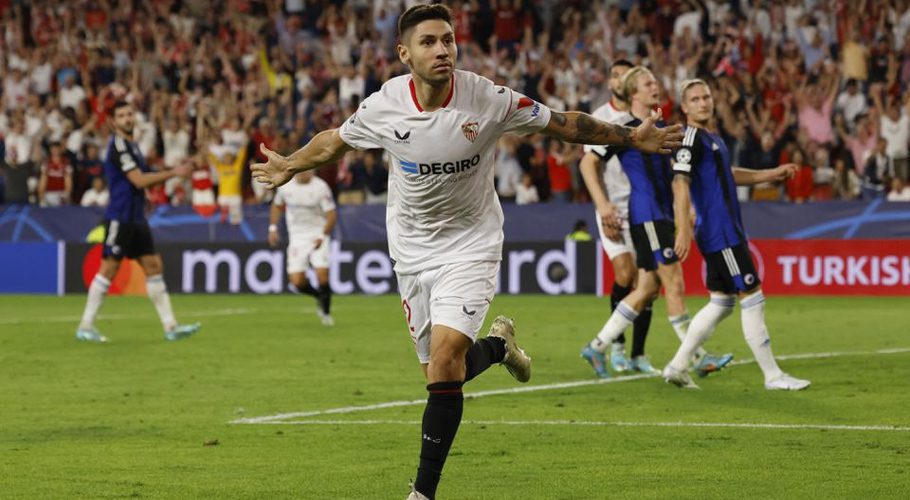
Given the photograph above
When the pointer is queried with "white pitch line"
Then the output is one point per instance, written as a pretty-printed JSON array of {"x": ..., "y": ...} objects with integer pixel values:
[
  {"x": 595, "y": 423},
  {"x": 268, "y": 419},
  {"x": 69, "y": 319}
]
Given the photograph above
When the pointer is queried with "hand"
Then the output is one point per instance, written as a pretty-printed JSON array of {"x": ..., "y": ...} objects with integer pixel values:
[
  {"x": 317, "y": 243},
  {"x": 183, "y": 170},
  {"x": 650, "y": 139},
  {"x": 274, "y": 238},
  {"x": 683, "y": 243},
  {"x": 784, "y": 172},
  {"x": 610, "y": 222},
  {"x": 274, "y": 172}
]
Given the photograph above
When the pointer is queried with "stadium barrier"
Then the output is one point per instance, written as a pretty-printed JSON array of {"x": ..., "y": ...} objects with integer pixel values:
[
  {"x": 785, "y": 267},
  {"x": 364, "y": 268}
]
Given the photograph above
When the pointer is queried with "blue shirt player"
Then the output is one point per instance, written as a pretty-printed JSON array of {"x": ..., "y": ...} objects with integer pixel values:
[
  {"x": 705, "y": 178},
  {"x": 651, "y": 224},
  {"x": 126, "y": 232}
]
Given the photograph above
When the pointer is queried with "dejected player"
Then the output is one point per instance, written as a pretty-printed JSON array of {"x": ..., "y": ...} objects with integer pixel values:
[
  {"x": 126, "y": 231},
  {"x": 440, "y": 127},
  {"x": 704, "y": 178}
]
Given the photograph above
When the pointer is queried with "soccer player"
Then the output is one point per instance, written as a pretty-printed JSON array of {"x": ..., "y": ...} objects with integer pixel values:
[
  {"x": 703, "y": 169},
  {"x": 609, "y": 188},
  {"x": 311, "y": 219},
  {"x": 652, "y": 234},
  {"x": 440, "y": 127},
  {"x": 126, "y": 232}
]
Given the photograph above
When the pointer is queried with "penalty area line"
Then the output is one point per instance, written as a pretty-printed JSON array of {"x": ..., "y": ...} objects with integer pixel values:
[
  {"x": 596, "y": 423},
  {"x": 283, "y": 417}
]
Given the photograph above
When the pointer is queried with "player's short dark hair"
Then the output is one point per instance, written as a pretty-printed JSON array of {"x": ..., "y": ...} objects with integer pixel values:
[
  {"x": 625, "y": 63},
  {"x": 119, "y": 103},
  {"x": 420, "y": 13}
]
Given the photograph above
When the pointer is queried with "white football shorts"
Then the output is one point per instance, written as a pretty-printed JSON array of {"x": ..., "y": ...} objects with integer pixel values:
[
  {"x": 456, "y": 295},
  {"x": 616, "y": 248},
  {"x": 302, "y": 255}
]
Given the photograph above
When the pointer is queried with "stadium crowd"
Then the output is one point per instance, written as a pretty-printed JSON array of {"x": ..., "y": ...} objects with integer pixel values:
[{"x": 821, "y": 83}]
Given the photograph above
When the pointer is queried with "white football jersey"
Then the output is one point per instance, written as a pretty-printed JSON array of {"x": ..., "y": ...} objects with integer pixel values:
[
  {"x": 307, "y": 204},
  {"x": 618, "y": 187},
  {"x": 442, "y": 205}
]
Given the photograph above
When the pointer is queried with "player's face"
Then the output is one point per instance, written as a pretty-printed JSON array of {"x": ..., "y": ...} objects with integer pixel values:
[
  {"x": 648, "y": 92},
  {"x": 698, "y": 104},
  {"x": 305, "y": 176},
  {"x": 124, "y": 121},
  {"x": 615, "y": 81},
  {"x": 430, "y": 51}
]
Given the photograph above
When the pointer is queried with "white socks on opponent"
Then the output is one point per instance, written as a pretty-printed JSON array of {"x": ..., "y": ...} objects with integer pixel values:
[
  {"x": 96, "y": 292},
  {"x": 701, "y": 328},
  {"x": 157, "y": 292},
  {"x": 621, "y": 319},
  {"x": 756, "y": 333}
]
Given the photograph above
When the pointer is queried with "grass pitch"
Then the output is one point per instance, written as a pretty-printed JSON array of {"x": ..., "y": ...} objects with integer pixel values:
[{"x": 143, "y": 418}]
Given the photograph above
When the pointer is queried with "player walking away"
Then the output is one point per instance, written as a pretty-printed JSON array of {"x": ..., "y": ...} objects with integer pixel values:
[
  {"x": 440, "y": 128},
  {"x": 652, "y": 233},
  {"x": 311, "y": 218},
  {"x": 609, "y": 188},
  {"x": 703, "y": 169},
  {"x": 126, "y": 232}
]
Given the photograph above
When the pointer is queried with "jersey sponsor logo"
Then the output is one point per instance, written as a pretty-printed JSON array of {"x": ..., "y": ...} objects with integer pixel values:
[
  {"x": 402, "y": 138},
  {"x": 470, "y": 130},
  {"x": 438, "y": 168}
]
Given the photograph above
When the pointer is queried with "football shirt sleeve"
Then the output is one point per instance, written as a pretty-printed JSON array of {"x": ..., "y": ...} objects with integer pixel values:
[
  {"x": 326, "y": 203},
  {"x": 360, "y": 130},
  {"x": 524, "y": 115},
  {"x": 687, "y": 155}
]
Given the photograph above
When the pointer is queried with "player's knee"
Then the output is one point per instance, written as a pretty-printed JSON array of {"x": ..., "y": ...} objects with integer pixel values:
[{"x": 624, "y": 276}]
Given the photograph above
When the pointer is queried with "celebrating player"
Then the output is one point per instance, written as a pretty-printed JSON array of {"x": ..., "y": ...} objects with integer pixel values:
[
  {"x": 126, "y": 232},
  {"x": 440, "y": 127},
  {"x": 609, "y": 188},
  {"x": 311, "y": 219},
  {"x": 652, "y": 232},
  {"x": 703, "y": 168}
]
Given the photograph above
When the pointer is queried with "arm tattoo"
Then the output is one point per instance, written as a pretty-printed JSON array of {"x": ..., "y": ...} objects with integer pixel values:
[{"x": 581, "y": 128}]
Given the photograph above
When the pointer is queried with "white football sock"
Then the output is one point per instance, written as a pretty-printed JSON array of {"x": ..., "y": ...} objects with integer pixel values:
[
  {"x": 756, "y": 334},
  {"x": 701, "y": 328},
  {"x": 96, "y": 292},
  {"x": 680, "y": 325},
  {"x": 157, "y": 292},
  {"x": 621, "y": 319}
]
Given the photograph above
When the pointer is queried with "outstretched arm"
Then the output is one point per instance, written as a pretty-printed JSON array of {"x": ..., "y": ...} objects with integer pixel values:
[
  {"x": 326, "y": 147},
  {"x": 747, "y": 176},
  {"x": 582, "y": 128}
]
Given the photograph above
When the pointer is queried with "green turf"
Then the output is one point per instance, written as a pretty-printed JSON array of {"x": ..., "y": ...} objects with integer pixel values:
[{"x": 131, "y": 419}]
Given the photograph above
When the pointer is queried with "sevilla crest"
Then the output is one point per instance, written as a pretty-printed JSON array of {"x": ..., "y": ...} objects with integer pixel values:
[{"x": 470, "y": 130}]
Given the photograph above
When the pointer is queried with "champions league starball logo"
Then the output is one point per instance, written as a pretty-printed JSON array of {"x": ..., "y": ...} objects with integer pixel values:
[{"x": 683, "y": 156}]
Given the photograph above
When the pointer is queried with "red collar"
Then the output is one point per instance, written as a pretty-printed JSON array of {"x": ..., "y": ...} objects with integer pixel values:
[{"x": 444, "y": 104}]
